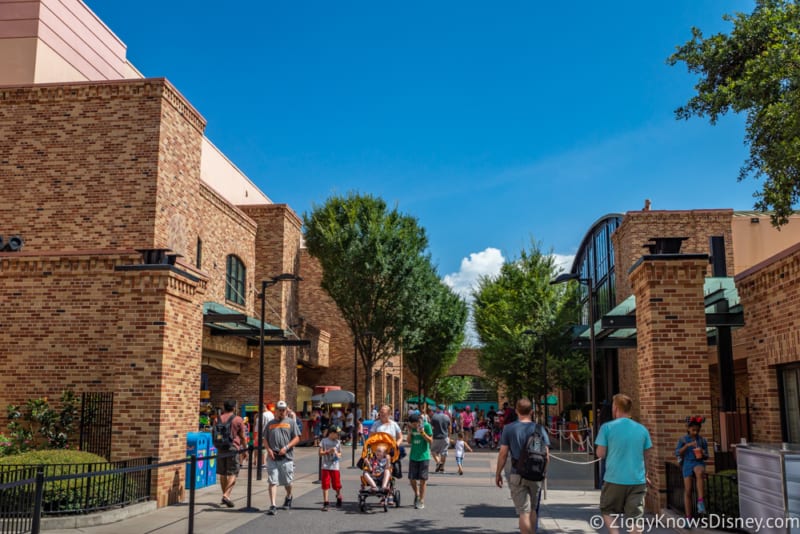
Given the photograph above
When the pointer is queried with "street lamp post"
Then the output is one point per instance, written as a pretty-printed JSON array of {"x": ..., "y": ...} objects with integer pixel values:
[
  {"x": 566, "y": 277},
  {"x": 355, "y": 399},
  {"x": 285, "y": 277}
]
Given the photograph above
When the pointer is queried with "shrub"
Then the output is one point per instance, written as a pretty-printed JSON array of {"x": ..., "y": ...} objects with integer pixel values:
[
  {"x": 73, "y": 495},
  {"x": 39, "y": 426},
  {"x": 6, "y": 444}
]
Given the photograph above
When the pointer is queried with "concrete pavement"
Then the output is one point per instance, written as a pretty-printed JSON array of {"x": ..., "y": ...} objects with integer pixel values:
[{"x": 468, "y": 503}]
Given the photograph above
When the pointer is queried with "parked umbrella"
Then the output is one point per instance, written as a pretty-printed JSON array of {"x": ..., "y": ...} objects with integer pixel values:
[{"x": 334, "y": 396}]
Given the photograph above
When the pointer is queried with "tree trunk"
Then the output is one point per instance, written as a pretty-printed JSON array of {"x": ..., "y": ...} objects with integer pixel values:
[{"x": 368, "y": 391}]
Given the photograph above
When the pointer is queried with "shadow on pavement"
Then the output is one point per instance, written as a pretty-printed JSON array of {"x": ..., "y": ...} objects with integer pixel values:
[
  {"x": 426, "y": 526},
  {"x": 485, "y": 510}
]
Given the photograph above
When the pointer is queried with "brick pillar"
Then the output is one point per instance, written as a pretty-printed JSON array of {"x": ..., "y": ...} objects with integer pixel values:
[{"x": 672, "y": 351}]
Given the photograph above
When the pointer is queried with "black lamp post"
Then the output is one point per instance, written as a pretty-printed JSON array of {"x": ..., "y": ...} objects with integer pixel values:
[
  {"x": 285, "y": 277},
  {"x": 560, "y": 279}
]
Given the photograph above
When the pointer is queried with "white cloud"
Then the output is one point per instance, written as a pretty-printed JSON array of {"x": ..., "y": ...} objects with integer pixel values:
[
  {"x": 463, "y": 282},
  {"x": 484, "y": 263},
  {"x": 563, "y": 262}
]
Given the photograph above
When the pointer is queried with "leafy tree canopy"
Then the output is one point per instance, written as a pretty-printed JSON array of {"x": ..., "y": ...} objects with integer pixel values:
[
  {"x": 452, "y": 389},
  {"x": 756, "y": 70},
  {"x": 440, "y": 318},
  {"x": 521, "y": 319},
  {"x": 373, "y": 259}
]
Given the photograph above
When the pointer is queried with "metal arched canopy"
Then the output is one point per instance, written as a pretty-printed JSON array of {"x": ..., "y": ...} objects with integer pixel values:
[{"x": 589, "y": 236}]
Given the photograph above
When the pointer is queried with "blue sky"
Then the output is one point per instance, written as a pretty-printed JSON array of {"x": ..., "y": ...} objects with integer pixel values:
[{"x": 491, "y": 122}]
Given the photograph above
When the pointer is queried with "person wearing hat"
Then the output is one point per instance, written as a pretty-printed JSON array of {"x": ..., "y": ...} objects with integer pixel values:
[{"x": 281, "y": 436}]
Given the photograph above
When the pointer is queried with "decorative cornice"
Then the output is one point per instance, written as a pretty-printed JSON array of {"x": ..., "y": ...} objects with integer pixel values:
[
  {"x": 655, "y": 267},
  {"x": 288, "y": 213},
  {"x": 767, "y": 275},
  {"x": 62, "y": 263},
  {"x": 77, "y": 91},
  {"x": 219, "y": 202}
]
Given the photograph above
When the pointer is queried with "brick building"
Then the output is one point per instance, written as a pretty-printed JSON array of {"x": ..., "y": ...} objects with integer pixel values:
[
  {"x": 662, "y": 320},
  {"x": 144, "y": 248}
]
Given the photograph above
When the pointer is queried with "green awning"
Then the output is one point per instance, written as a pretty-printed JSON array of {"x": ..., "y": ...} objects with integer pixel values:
[
  {"x": 617, "y": 328},
  {"x": 224, "y": 321}
]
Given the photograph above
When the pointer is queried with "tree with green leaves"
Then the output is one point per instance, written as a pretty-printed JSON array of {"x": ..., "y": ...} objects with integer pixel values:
[
  {"x": 521, "y": 319},
  {"x": 451, "y": 389},
  {"x": 440, "y": 319},
  {"x": 755, "y": 70},
  {"x": 372, "y": 259}
]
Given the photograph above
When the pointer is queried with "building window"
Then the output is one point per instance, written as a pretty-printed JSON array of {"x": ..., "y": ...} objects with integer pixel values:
[
  {"x": 199, "y": 256},
  {"x": 235, "y": 280},
  {"x": 789, "y": 378}
]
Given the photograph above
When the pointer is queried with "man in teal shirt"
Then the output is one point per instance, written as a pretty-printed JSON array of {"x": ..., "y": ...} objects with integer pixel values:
[
  {"x": 420, "y": 435},
  {"x": 624, "y": 444}
]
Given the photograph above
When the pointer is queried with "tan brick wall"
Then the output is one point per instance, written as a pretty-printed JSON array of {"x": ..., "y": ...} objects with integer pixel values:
[
  {"x": 226, "y": 230},
  {"x": 636, "y": 229},
  {"x": 466, "y": 364},
  {"x": 276, "y": 247},
  {"x": 89, "y": 326},
  {"x": 672, "y": 350},
  {"x": 79, "y": 145},
  {"x": 770, "y": 295}
]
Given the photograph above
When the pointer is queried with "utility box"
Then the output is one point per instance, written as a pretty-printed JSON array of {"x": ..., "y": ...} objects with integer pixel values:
[{"x": 769, "y": 484}]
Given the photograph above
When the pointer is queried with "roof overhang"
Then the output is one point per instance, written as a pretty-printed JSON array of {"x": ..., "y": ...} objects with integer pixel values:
[
  {"x": 224, "y": 321},
  {"x": 617, "y": 328}
]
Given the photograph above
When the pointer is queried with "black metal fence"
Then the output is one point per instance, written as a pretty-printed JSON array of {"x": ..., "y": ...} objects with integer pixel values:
[
  {"x": 29, "y": 492},
  {"x": 97, "y": 415},
  {"x": 16, "y": 500},
  {"x": 721, "y": 492}
]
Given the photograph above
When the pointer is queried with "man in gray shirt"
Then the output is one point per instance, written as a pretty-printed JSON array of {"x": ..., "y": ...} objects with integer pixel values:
[
  {"x": 441, "y": 438},
  {"x": 524, "y": 493},
  {"x": 281, "y": 437}
]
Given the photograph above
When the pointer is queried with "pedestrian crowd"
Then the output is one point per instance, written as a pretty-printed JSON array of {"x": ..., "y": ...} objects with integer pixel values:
[{"x": 622, "y": 444}]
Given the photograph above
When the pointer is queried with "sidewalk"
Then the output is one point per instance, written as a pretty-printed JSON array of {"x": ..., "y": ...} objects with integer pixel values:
[
  {"x": 457, "y": 504},
  {"x": 210, "y": 515}
]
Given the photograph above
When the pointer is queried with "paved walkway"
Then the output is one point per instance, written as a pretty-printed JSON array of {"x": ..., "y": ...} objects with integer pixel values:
[{"x": 469, "y": 503}]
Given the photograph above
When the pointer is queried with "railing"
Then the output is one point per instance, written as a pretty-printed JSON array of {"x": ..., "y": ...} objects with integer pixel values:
[
  {"x": 27, "y": 493},
  {"x": 102, "y": 486},
  {"x": 721, "y": 492}
]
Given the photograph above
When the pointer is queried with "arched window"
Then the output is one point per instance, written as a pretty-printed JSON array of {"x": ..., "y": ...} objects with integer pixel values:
[{"x": 235, "y": 278}]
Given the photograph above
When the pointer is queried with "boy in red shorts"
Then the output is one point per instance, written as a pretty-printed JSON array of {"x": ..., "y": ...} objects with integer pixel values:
[{"x": 330, "y": 449}]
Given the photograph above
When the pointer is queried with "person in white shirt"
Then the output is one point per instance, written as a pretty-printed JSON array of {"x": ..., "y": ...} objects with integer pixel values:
[
  {"x": 482, "y": 437},
  {"x": 386, "y": 424},
  {"x": 266, "y": 417}
]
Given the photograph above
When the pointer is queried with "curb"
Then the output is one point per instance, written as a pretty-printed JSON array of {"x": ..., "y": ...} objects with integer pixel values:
[{"x": 97, "y": 519}]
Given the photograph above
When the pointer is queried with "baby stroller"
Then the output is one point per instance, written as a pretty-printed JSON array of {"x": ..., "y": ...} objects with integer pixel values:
[{"x": 373, "y": 442}]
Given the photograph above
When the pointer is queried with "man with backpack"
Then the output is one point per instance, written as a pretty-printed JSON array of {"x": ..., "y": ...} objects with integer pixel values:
[
  {"x": 228, "y": 437},
  {"x": 529, "y": 447}
]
